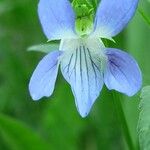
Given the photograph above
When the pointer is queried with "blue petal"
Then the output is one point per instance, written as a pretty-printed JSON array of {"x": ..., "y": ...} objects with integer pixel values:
[
  {"x": 82, "y": 69},
  {"x": 43, "y": 79},
  {"x": 113, "y": 15},
  {"x": 123, "y": 73},
  {"x": 57, "y": 18}
]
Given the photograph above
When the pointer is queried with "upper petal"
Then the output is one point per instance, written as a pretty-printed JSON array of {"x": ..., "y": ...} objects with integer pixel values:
[
  {"x": 57, "y": 19},
  {"x": 82, "y": 68},
  {"x": 43, "y": 79},
  {"x": 112, "y": 16},
  {"x": 122, "y": 72}
]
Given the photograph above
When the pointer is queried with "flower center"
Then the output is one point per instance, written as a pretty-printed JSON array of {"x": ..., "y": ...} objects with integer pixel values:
[{"x": 93, "y": 48}]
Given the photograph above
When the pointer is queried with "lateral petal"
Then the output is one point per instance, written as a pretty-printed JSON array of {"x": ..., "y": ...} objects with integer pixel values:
[
  {"x": 43, "y": 80},
  {"x": 122, "y": 72}
]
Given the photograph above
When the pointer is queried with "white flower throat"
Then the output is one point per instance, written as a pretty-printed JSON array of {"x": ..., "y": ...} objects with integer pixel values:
[{"x": 83, "y": 54}]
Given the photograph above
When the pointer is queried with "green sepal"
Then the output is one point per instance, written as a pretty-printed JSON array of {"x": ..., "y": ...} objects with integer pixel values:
[{"x": 45, "y": 48}]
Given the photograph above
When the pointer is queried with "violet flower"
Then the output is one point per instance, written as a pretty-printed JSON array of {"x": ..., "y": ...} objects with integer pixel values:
[{"x": 85, "y": 62}]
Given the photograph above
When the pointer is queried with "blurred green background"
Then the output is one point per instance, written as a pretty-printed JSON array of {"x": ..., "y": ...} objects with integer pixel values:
[{"x": 54, "y": 123}]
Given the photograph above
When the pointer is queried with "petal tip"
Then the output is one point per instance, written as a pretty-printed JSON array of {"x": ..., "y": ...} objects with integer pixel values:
[
  {"x": 84, "y": 112},
  {"x": 35, "y": 97},
  {"x": 84, "y": 115}
]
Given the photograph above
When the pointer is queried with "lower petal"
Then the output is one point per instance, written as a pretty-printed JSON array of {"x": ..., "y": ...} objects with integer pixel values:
[
  {"x": 43, "y": 79},
  {"x": 122, "y": 72},
  {"x": 82, "y": 68}
]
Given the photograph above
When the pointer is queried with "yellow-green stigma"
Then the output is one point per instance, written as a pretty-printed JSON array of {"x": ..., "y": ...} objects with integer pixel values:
[
  {"x": 84, "y": 19},
  {"x": 84, "y": 26}
]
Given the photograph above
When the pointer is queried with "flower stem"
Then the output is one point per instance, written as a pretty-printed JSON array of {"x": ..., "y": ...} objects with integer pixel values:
[{"x": 122, "y": 120}]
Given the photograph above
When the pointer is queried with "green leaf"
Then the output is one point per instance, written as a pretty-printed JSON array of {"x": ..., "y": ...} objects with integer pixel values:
[
  {"x": 7, "y": 6},
  {"x": 144, "y": 119},
  {"x": 45, "y": 48},
  {"x": 18, "y": 136},
  {"x": 145, "y": 16}
]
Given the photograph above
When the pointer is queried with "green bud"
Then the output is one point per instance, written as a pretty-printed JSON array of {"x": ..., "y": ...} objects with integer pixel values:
[
  {"x": 81, "y": 10},
  {"x": 84, "y": 19}
]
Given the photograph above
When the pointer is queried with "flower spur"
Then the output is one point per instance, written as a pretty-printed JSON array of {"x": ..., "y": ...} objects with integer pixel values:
[{"x": 85, "y": 62}]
